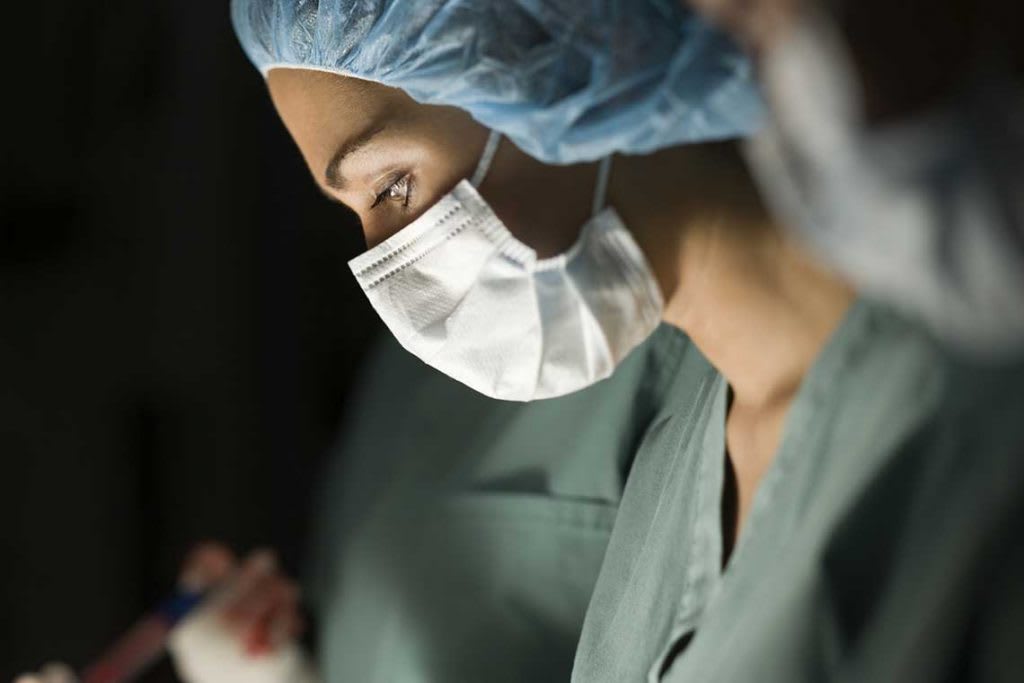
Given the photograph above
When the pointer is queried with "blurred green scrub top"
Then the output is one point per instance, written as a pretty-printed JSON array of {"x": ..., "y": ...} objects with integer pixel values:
[
  {"x": 868, "y": 544},
  {"x": 460, "y": 537}
]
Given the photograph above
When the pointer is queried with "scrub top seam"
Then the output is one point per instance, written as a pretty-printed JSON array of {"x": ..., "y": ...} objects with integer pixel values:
[{"x": 698, "y": 404}]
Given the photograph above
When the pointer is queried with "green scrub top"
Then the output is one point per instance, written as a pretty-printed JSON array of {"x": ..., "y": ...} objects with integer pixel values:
[
  {"x": 852, "y": 550},
  {"x": 459, "y": 537}
]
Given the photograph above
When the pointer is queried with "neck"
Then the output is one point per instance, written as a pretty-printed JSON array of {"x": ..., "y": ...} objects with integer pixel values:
[
  {"x": 758, "y": 308},
  {"x": 753, "y": 302}
]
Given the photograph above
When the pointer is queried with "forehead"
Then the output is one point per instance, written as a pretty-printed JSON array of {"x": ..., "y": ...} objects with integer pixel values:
[
  {"x": 322, "y": 110},
  {"x": 303, "y": 93}
]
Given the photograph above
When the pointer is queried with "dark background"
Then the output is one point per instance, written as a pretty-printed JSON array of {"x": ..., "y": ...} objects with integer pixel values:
[{"x": 178, "y": 323}]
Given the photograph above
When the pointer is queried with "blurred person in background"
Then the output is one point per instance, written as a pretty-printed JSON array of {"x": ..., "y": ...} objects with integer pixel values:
[{"x": 895, "y": 147}]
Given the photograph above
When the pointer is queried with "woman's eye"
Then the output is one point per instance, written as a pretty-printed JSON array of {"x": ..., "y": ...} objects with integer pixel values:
[{"x": 398, "y": 190}]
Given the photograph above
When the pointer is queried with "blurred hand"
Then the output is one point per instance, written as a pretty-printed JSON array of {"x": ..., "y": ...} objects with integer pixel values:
[
  {"x": 51, "y": 673},
  {"x": 246, "y": 630}
]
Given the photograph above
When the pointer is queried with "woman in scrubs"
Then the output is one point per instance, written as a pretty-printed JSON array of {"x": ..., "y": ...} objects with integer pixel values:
[
  {"x": 759, "y": 309},
  {"x": 765, "y": 431}
]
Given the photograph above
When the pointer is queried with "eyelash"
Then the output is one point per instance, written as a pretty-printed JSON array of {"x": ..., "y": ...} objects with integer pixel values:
[{"x": 398, "y": 181}]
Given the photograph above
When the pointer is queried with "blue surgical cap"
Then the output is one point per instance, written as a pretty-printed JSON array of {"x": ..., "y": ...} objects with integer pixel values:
[{"x": 566, "y": 80}]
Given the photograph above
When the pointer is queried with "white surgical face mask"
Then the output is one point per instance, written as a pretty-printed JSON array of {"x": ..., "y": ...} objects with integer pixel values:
[
  {"x": 461, "y": 293},
  {"x": 927, "y": 215}
]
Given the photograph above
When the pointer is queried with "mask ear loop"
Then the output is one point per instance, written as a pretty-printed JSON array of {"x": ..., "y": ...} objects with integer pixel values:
[
  {"x": 604, "y": 172},
  {"x": 486, "y": 158}
]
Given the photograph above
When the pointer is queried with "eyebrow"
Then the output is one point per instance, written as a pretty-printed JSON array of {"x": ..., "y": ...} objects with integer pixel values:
[{"x": 332, "y": 174}]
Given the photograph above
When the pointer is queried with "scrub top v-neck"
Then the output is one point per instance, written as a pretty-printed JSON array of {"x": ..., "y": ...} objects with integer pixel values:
[{"x": 663, "y": 610}]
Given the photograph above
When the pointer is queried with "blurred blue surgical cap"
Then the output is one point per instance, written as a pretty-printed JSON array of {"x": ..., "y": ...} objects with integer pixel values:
[{"x": 566, "y": 80}]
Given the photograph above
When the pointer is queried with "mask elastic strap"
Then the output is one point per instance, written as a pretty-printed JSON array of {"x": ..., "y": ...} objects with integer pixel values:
[
  {"x": 604, "y": 172},
  {"x": 486, "y": 158}
]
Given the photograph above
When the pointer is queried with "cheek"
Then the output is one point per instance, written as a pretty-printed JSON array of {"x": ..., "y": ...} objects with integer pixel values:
[
  {"x": 546, "y": 237},
  {"x": 456, "y": 143},
  {"x": 544, "y": 207},
  {"x": 376, "y": 231},
  {"x": 379, "y": 227}
]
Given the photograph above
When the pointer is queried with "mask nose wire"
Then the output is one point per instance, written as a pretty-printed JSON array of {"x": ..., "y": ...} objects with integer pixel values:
[{"x": 486, "y": 158}]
